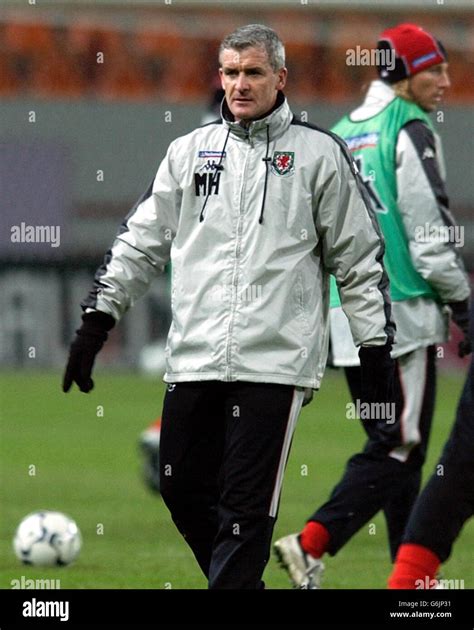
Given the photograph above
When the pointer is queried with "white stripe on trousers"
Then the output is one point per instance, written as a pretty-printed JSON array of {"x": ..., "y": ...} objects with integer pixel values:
[
  {"x": 295, "y": 409},
  {"x": 412, "y": 374}
]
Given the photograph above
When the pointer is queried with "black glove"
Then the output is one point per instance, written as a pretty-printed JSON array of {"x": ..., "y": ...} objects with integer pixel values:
[
  {"x": 460, "y": 316},
  {"x": 89, "y": 339},
  {"x": 377, "y": 374}
]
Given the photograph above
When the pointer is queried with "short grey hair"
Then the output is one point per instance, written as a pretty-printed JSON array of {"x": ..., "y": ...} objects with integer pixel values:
[{"x": 259, "y": 36}]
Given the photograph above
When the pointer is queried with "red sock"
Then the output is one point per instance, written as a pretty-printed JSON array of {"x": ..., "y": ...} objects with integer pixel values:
[
  {"x": 415, "y": 567},
  {"x": 156, "y": 424},
  {"x": 314, "y": 539}
]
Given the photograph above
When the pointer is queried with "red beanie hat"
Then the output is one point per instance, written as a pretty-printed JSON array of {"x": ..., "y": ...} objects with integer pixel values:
[{"x": 407, "y": 49}]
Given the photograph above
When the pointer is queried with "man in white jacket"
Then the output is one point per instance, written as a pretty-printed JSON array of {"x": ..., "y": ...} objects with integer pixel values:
[{"x": 254, "y": 211}]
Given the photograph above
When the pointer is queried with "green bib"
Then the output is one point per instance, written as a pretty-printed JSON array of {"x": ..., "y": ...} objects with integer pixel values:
[{"x": 372, "y": 143}]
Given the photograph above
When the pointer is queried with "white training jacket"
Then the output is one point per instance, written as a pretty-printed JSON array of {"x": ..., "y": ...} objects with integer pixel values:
[
  {"x": 422, "y": 201},
  {"x": 253, "y": 221}
]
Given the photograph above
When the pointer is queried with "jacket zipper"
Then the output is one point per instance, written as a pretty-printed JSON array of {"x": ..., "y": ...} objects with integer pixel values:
[{"x": 235, "y": 272}]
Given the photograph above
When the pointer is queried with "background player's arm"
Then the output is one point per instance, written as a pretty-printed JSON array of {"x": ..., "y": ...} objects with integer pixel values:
[{"x": 423, "y": 204}]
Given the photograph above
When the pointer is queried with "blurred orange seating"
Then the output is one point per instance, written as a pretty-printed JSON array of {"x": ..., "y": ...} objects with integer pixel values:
[
  {"x": 10, "y": 83},
  {"x": 158, "y": 42},
  {"x": 83, "y": 36},
  {"x": 461, "y": 67},
  {"x": 304, "y": 66},
  {"x": 80, "y": 36},
  {"x": 184, "y": 75},
  {"x": 159, "y": 59},
  {"x": 121, "y": 76},
  {"x": 56, "y": 77},
  {"x": 28, "y": 39}
]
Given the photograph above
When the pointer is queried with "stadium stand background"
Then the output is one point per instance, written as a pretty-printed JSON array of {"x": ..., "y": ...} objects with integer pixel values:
[{"x": 91, "y": 94}]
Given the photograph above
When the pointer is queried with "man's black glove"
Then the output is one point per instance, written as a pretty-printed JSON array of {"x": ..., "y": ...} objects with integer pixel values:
[
  {"x": 460, "y": 316},
  {"x": 377, "y": 374},
  {"x": 89, "y": 339}
]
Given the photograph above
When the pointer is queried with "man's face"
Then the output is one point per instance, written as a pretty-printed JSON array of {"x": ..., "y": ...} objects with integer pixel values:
[
  {"x": 249, "y": 81},
  {"x": 427, "y": 88}
]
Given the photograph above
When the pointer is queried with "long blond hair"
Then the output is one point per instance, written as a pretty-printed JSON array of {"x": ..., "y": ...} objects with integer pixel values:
[{"x": 402, "y": 89}]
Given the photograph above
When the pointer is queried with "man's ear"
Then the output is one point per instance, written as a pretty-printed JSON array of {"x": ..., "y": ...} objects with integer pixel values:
[
  {"x": 221, "y": 75},
  {"x": 282, "y": 76}
]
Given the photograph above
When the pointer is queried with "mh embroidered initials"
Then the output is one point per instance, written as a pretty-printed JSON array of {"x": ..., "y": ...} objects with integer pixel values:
[{"x": 207, "y": 183}]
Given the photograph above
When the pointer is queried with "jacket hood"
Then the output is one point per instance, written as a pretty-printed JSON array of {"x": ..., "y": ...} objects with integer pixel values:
[{"x": 378, "y": 96}]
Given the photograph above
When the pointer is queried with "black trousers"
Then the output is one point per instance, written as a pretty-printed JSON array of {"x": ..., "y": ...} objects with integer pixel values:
[
  {"x": 386, "y": 475},
  {"x": 223, "y": 451},
  {"x": 447, "y": 500}
]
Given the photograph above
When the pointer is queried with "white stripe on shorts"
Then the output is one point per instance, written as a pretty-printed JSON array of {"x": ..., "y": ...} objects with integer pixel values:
[
  {"x": 295, "y": 409},
  {"x": 412, "y": 372}
]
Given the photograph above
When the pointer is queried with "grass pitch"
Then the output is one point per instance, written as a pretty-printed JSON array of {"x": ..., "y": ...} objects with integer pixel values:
[{"x": 78, "y": 454}]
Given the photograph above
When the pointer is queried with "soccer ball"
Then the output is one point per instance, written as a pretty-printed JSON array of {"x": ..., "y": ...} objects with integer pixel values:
[{"x": 47, "y": 539}]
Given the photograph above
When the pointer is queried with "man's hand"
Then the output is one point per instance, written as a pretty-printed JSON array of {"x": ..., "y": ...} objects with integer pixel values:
[
  {"x": 377, "y": 374},
  {"x": 460, "y": 316},
  {"x": 89, "y": 339}
]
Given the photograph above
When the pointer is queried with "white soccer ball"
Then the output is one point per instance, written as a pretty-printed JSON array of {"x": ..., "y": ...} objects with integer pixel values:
[{"x": 46, "y": 539}]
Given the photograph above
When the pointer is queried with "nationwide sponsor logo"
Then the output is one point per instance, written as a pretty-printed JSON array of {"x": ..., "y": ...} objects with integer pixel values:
[
  {"x": 283, "y": 163},
  {"x": 209, "y": 155},
  {"x": 363, "y": 141}
]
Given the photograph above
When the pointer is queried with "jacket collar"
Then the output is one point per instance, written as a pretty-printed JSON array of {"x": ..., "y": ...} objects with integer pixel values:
[
  {"x": 278, "y": 120},
  {"x": 378, "y": 96}
]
